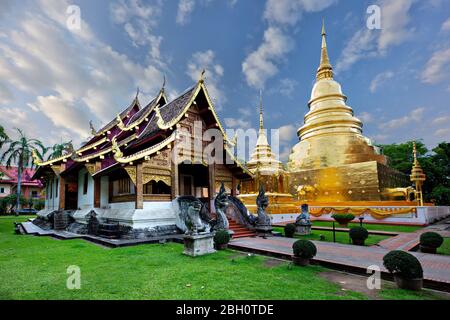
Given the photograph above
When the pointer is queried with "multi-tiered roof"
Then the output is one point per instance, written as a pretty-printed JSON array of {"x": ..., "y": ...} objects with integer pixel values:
[{"x": 137, "y": 133}]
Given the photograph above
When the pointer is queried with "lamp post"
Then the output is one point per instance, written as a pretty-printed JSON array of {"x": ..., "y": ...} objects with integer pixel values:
[
  {"x": 334, "y": 233},
  {"x": 361, "y": 221}
]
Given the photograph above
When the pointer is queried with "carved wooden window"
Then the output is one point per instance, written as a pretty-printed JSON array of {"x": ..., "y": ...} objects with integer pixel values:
[
  {"x": 124, "y": 186},
  {"x": 154, "y": 187},
  {"x": 85, "y": 183},
  {"x": 56, "y": 188}
]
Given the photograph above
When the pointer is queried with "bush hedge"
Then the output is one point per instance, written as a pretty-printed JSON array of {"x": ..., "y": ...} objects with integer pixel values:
[
  {"x": 358, "y": 233},
  {"x": 222, "y": 237},
  {"x": 403, "y": 264},
  {"x": 343, "y": 216},
  {"x": 289, "y": 230},
  {"x": 431, "y": 239},
  {"x": 304, "y": 249}
]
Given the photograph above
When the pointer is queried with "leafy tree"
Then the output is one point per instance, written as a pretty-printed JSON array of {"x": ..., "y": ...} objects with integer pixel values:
[
  {"x": 3, "y": 136},
  {"x": 436, "y": 166},
  {"x": 19, "y": 152},
  {"x": 59, "y": 149},
  {"x": 437, "y": 169},
  {"x": 401, "y": 154}
]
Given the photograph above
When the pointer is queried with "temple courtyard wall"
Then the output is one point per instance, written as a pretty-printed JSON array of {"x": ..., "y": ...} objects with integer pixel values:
[{"x": 417, "y": 216}]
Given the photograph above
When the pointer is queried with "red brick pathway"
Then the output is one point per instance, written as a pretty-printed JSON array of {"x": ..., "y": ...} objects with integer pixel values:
[{"x": 436, "y": 267}]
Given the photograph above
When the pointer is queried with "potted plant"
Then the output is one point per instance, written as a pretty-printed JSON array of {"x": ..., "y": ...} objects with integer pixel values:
[
  {"x": 343, "y": 218},
  {"x": 289, "y": 230},
  {"x": 221, "y": 239},
  {"x": 358, "y": 235},
  {"x": 407, "y": 270},
  {"x": 303, "y": 251},
  {"x": 430, "y": 241}
]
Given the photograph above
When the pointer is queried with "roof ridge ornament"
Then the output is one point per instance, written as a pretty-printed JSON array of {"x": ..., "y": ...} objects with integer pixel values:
[
  {"x": 202, "y": 76},
  {"x": 91, "y": 126}
]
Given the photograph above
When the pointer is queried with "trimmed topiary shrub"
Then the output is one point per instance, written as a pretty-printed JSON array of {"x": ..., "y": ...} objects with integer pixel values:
[
  {"x": 403, "y": 264},
  {"x": 343, "y": 218},
  {"x": 304, "y": 249},
  {"x": 358, "y": 235},
  {"x": 221, "y": 237},
  {"x": 431, "y": 239},
  {"x": 289, "y": 230}
]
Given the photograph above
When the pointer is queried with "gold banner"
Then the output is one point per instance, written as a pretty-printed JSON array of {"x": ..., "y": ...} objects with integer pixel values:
[{"x": 374, "y": 212}]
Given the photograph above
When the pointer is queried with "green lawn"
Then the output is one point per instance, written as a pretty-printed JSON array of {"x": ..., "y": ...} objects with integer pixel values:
[
  {"x": 341, "y": 237},
  {"x": 379, "y": 227},
  {"x": 36, "y": 268},
  {"x": 445, "y": 248}
]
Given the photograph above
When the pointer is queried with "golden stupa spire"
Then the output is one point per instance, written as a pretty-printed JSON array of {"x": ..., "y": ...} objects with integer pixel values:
[
  {"x": 261, "y": 122},
  {"x": 325, "y": 70}
]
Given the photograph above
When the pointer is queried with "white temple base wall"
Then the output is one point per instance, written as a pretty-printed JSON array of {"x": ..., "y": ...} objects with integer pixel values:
[
  {"x": 424, "y": 216},
  {"x": 152, "y": 215}
]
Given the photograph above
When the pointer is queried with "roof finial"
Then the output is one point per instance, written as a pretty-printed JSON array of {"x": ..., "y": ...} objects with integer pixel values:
[
  {"x": 261, "y": 123},
  {"x": 164, "y": 83},
  {"x": 137, "y": 92},
  {"x": 415, "y": 152},
  {"x": 325, "y": 70},
  {"x": 202, "y": 75}
]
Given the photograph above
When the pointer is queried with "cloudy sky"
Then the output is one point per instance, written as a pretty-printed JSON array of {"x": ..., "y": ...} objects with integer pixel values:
[{"x": 54, "y": 79}]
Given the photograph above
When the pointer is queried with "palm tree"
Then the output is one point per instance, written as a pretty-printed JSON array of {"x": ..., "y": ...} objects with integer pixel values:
[
  {"x": 19, "y": 152},
  {"x": 3, "y": 136},
  {"x": 58, "y": 149}
]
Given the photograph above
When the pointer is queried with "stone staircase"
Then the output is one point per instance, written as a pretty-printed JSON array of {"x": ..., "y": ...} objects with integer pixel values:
[{"x": 240, "y": 231}]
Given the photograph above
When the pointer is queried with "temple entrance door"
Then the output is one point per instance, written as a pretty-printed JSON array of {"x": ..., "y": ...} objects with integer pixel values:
[
  {"x": 71, "y": 196},
  {"x": 186, "y": 185},
  {"x": 193, "y": 181}
]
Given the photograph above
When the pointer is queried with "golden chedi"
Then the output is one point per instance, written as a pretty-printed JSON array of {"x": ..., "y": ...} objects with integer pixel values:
[
  {"x": 268, "y": 171},
  {"x": 333, "y": 160}
]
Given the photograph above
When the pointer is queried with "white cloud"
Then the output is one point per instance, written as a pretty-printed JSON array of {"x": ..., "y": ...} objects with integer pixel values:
[
  {"x": 235, "y": 123},
  {"x": 415, "y": 116},
  {"x": 6, "y": 95},
  {"x": 214, "y": 72},
  {"x": 287, "y": 134},
  {"x": 289, "y": 12},
  {"x": 443, "y": 133},
  {"x": 185, "y": 8},
  {"x": 446, "y": 25},
  {"x": 64, "y": 115},
  {"x": 96, "y": 79},
  {"x": 261, "y": 64},
  {"x": 380, "y": 79},
  {"x": 441, "y": 120},
  {"x": 285, "y": 87},
  {"x": 139, "y": 20},
  {"x": 437, "y": 68},
  {"x": 365, "y": 43},
  {"x": 365, "y": 117}
]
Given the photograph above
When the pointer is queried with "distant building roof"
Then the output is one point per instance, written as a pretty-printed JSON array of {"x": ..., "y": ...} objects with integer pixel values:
[{"x": 9, "y": 176}]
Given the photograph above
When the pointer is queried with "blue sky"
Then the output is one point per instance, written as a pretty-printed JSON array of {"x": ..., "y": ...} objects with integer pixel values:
[{"x": 54, "y": 80}]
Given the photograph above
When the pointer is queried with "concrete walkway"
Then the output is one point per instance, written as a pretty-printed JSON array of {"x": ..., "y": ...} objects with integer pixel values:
[{"x": 349, "y": 257}]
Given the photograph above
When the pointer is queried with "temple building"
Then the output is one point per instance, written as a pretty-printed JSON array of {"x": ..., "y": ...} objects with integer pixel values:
[
  {"x": 333, "y": 161},
  {"x": 131, "y": 169}
]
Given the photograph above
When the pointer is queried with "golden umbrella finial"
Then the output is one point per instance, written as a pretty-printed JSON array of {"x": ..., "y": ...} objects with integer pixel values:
[
  {"x": 261, "y": 123},
  {"x": 325, "y": 70}
]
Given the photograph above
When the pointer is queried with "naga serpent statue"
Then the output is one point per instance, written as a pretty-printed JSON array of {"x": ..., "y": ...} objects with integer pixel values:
[
  {"x": 262, "y": 202},
  {"x": 191, "y": 217},
  {"x": 221, "y": 203}
]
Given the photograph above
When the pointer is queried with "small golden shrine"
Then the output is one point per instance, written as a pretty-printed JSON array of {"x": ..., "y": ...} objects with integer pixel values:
[{"x": 268, "y": 171}]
